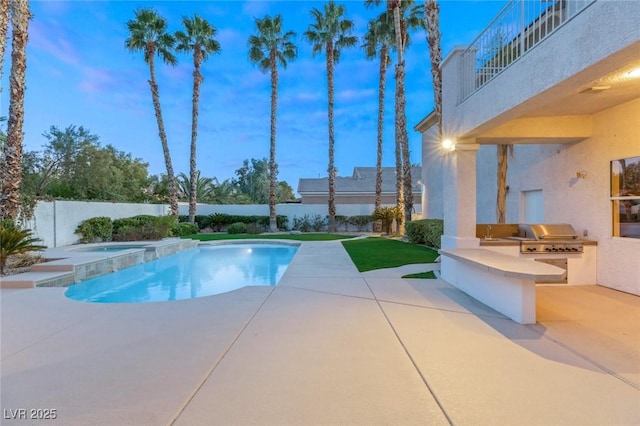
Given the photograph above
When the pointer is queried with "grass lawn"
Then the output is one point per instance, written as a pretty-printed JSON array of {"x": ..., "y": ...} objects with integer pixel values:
[
  {"x": 298, "y": 237},
  {"x": 430, "y": 275},
  {"x": 377, "y": 253}
]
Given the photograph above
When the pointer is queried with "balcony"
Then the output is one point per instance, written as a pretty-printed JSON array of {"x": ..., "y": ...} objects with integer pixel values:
[{"x": 519, "y": 27}]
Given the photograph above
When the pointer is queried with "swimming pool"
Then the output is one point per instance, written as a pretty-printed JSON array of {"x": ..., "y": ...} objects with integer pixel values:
[{"x": 203, "y": 271}]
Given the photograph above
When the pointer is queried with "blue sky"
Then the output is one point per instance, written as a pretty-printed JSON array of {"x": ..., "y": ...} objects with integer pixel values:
[{"x": 80, "y": 73}]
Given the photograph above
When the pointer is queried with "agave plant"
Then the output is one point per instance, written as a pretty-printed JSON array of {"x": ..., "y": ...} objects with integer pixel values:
[{"x": 16, "y": 241}]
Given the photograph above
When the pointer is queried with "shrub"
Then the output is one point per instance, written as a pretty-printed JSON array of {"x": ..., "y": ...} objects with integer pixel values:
[
  {"x": 342, "y": 220},
  {"x": 143, "y": 227},
  {"x": 360, "y": 221},
  {"x": 95, "y": 229},
  {"x": 425, "y": 231},
  {"x": 318, "y": 223},
  {"x": 302, "y": 224},
  {"x": 237, "y": 228},
  {"x": 387, "y": 215},
  {"x": 254, "y": 228},
  {"x": 184, "y": 228},
  {"x": 16, "y": 241}
]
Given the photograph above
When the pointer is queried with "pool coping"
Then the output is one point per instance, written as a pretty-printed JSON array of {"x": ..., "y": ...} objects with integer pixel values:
[{"x": 71, "y": 265}]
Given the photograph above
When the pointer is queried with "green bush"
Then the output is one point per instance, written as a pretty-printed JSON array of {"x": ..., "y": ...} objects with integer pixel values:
[
  {"x": 302, "y": 224},
  {"x": 255, "y": 228},
  {"x": 237, "y": 228},
  {"x": 425, "y": 231},
  {"x": 95, "y": 229},
  {"x": 143, "y": 227},
  {"x": 361, "y": 222},
  {"x": 342, "y": 220},
  {"x": 184, "y": 228},
  {"x": 387, "y": 215}
]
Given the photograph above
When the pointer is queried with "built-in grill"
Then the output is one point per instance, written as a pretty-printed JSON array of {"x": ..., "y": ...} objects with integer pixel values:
[{"x": 549, "y": 238}]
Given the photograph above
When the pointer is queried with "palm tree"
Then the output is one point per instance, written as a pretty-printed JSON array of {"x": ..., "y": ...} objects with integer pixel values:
[
  {"x": 330, "y": 32},
  {"x": 16, "y": 241},
  {"x": 147, "y": 33},
  {"x": 204, "y": 187},
  {"x": 504, "y": 152},
  {"x": 406, "y": 16},
  {"x": 379, "y": 37},
  {"x": 199, "y": 39},
  {"x": 268, "y": 49},
  {"x": 4, "y": 24},
  {"x": 432, "y": 16},
  {"x": 12, "y": 152}
]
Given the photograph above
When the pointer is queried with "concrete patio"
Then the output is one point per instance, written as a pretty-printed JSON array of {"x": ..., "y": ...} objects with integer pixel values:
[{"x": 327, "y": 346}]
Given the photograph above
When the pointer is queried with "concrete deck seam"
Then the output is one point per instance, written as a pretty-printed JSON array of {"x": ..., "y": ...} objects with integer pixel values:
[
  {"x": 445, "y": 310},
  {"x": 218, "y": 361},
  {"x": 406, "y": 351},
  {"x": 587, "y": 359},
  {"x": 329, "y": 292}
]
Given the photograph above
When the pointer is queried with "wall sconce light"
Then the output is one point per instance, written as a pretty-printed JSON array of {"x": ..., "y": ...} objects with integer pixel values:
[
  {"x": 581, "y": 174},
  {"x": 448, "y": 144}
]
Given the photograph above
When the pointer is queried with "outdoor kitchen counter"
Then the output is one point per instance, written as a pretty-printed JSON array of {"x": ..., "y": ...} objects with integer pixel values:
[{"x": 498, "y": 242}]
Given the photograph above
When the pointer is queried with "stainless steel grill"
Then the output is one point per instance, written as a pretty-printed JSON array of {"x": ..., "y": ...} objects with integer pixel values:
[{"x": 549, "y": 238}]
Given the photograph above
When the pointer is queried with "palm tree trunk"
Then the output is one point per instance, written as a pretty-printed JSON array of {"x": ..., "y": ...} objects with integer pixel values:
[
  {"x": 404, "y": 145},
  {"x": 331, "y": 169},
  {"x": 432, "y": 14},
  {"x": 394, "y": 5},
  {"x": 398, "y": 153},
  {"x": 384, "y": 62},
  {"x": 4, "y": 24},
  {"x": 273, "y": 170},
  {"x": 193, "y": 191},
  {"x": 173, "y": 190},
  {"x": 12, "y": 174},
  {"x": 501, "y": 199},
  {"x": 381, "y": 88}
]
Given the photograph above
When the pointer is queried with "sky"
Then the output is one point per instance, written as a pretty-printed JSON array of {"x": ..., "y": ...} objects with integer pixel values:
[{"x": 80, "y": 73}]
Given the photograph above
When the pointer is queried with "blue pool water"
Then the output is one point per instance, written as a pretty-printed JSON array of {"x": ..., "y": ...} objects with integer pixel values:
[{"x": 199, "y": 272}]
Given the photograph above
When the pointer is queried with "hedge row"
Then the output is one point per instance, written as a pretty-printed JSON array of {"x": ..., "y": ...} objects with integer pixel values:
[
  {"x": 425, "y": 231},
  {"x": 135, "y": 228},
  {"x": 218, "y": 221}
]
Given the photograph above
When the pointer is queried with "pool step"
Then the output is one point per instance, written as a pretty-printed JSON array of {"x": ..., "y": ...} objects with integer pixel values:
[{"x": 38, "y": 279}]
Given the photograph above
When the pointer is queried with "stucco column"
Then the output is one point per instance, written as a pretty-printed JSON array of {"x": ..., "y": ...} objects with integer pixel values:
[{"x": 459, "y": 191}]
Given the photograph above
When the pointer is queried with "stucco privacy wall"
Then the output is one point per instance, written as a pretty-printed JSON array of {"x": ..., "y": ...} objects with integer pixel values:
[{"x": 55, "y": 222}]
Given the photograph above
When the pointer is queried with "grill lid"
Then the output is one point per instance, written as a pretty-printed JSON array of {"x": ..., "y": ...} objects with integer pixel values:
[{"x": 549, "y": 231}]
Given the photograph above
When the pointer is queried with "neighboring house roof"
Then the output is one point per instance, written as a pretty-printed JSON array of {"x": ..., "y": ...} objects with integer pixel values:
[{"x": 363, "y": 180}]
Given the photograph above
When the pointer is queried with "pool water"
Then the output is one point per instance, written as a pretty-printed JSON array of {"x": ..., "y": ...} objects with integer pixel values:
[{"x": 198, "y": 272}]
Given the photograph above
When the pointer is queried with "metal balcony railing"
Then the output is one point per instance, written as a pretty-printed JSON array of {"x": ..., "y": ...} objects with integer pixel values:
[{"x": 519, "y": 27}]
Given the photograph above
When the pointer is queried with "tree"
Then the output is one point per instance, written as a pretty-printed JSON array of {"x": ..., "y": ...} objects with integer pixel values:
[
  {"x": 379, "y": 37},
  {"x": 330, "y": 33},
  {"x": 147, "y": 33},
  {"x": 73, "y": 165},
  {"x": 199, "y": 39},
  {"x": 12, "y": 152},
  {"x": 4, "y": 25},
  {"x": 204, "y": 187},
  {"x": 253, "y": 180},
  {"x": 432, "y": 17},
  {"x": 267, "y": 49},
  {"x": 504, "y": 152},
  {"x": 406, "y": 16}
]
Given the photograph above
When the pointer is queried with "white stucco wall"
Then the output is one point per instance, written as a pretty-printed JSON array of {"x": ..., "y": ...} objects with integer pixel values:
[
  {"x": 55, "y": 222},
  {"x": 584, "y": 203}
]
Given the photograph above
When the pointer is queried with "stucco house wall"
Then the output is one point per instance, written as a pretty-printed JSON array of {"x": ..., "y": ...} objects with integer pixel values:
[{"x": 540, "y": 103}]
